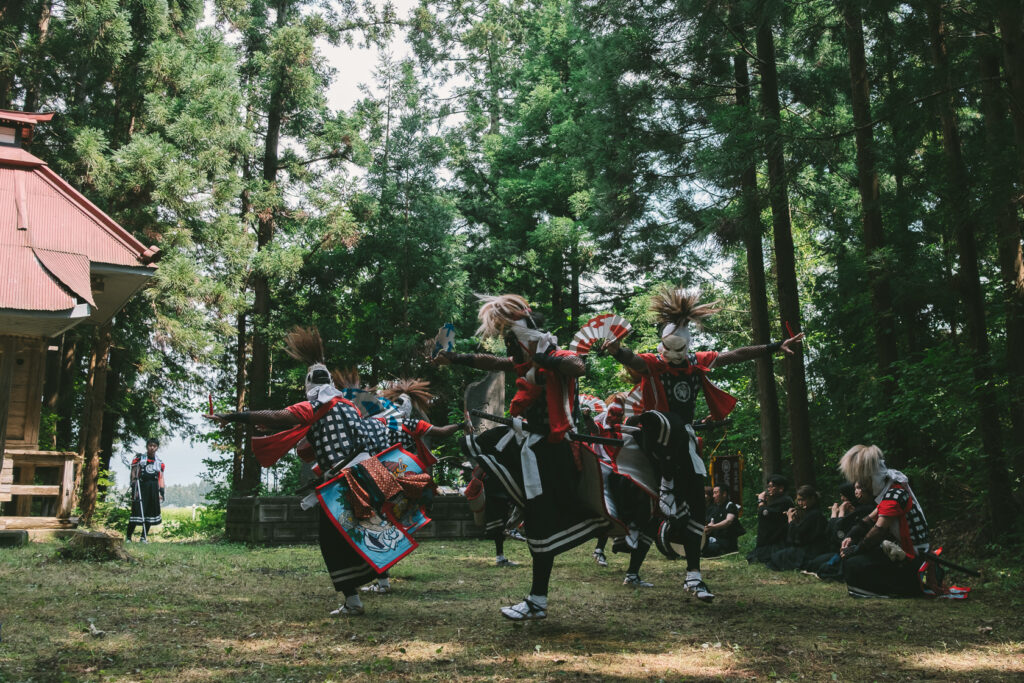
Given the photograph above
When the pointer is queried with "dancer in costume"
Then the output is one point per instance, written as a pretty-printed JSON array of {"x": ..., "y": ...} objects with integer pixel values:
[
  {"x": 493, "y": 509},
  {"x": 533, "y": 459},
  {"x": 370, "y": 503},
  {"x": 400, "y": 398},
  {"x": 608, "y": 423},
  {"x": 630, "y": 490},
  {"x": 147, "y": 488},
  {"x": 670, "y": 381},
  {"x": 879, "y": 554}
]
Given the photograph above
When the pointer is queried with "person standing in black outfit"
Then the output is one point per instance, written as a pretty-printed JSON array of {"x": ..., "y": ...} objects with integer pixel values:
[{"x": 147, "y": 490}]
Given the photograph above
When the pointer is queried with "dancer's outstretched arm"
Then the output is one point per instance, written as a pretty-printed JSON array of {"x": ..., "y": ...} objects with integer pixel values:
[
  {"x": 750, "y": 352},
  {"x": 480, "y": 361},
  {"x": 625, "y": 356},
  {"x": 445, "y": 431},
  {"x": 266, "y": 418},
  {"x": 567, "y": 366}
]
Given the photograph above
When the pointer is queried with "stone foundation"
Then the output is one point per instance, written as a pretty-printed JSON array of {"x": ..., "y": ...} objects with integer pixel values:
[{"x": 278, "y": 520}]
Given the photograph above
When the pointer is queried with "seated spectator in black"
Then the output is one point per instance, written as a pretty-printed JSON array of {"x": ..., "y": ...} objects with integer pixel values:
[
  {"x": 850, "y": 509},
  {"x": 880, "y": 552},
  {"x": 806, "y": 532},
  {"x": 772, "y": 521},
  {"x": 723, "y": 527}
]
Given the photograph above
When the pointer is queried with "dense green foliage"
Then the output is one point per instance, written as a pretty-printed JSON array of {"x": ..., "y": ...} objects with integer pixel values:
[{"x": 577, "y": 153}]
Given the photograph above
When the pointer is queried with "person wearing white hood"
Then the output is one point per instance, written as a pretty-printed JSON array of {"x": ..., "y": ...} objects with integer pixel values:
[
  {"x": 532, "y": 459},
  {"x": 341, "y": 440},
  {"x": 670, "y": 381}
]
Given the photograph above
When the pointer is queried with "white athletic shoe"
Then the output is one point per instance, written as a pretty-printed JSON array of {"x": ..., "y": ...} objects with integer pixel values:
[
  {"x": 524, "y": 611},
  {"x": 348, "y": 611},
  {"x": 698, "y": 589}
]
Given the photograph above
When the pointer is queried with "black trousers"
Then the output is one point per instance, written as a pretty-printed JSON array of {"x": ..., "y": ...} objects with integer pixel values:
[{"x": 347, "y": 568}]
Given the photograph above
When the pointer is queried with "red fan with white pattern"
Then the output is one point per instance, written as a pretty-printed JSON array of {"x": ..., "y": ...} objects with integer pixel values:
[
  {"x": 605, "y": 327},
  {"x": 634, "y": 403},
  {"x": 595, "y": 404}
]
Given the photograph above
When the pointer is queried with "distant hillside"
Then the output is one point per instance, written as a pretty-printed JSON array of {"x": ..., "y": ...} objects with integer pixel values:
[{"x": 184, "y": 495}]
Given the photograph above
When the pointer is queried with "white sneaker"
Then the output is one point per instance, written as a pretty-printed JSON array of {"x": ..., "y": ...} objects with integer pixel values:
[
  {"x": 635, "y": 581},
  {"x": 698, "y": 589},
  {"x": 600, "y": 558},
  {"x": 524, "y": 611},
  {"x": 348, "y": 611}
]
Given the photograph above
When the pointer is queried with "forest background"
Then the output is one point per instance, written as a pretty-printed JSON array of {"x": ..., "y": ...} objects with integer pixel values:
[{"x": 851, "y": 169}]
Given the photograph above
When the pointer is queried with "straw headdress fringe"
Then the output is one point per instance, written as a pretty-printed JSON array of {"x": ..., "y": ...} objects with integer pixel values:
[
  {"x": 345, "y": 379},
  {"x": 305, "y": 344},
  {"x": 417, "y": 390},
  {"x": 498, "y": 312},
  {"x": 678, "y": 306}
]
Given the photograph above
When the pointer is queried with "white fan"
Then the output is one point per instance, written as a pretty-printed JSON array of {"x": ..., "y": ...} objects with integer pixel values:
[
  {"x": 634, "y": 402},
  {"x": 605, "y": 327},
  {"x": 595, "y": 404}
]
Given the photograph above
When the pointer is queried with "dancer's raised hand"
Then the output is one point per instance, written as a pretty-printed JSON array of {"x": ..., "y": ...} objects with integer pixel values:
[{"x": 787, "y": 346}]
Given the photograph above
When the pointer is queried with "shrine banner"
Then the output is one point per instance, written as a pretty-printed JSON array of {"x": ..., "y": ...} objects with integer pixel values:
[{"x": 728, "y": 470}]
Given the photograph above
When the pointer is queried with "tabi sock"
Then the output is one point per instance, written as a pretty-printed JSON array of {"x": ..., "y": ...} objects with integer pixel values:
[
  {"x": 539, "y": 600},
  {"x": 353, "y": 601},
  {"x": 384, "y": 582},
  {"x": 693, "y": 576},
  {"x": 499, "y": 558}
]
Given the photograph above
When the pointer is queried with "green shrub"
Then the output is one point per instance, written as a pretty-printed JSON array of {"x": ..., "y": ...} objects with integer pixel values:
[{"x": 208, "y": 524}]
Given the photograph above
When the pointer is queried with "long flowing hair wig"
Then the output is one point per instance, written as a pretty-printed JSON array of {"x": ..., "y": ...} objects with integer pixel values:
[
  {"x": 860, "y": 464},
  {"x": 498, "y": 312}
]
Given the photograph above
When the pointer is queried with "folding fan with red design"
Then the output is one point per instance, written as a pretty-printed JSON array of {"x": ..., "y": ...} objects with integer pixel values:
[
  {"x": 634, "y": 402},
  {"x": 595, "y": 404},
  {"x": 605, "y": 327}
]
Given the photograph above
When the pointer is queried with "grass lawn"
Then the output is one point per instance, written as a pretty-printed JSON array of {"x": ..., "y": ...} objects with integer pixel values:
[{"x": 212, "y": 612}]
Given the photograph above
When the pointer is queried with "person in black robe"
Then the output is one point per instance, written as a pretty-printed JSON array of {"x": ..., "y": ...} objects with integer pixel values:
[
  {"x": 806, "y": 532},
  {"x": 147, "y": 491},
  {"x": 772, "y": 522}
]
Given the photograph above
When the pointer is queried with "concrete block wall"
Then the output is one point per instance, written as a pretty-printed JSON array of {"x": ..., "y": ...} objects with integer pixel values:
[{"x": 279, "y": 520}]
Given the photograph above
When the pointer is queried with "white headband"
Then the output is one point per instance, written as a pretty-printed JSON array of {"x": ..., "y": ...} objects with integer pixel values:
[{"x": 525, "y": 335}]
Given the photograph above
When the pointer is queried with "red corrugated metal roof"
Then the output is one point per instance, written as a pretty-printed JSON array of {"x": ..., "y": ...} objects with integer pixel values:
[
  {"x": 24, "y": 117},
  {"x": 26, "y": 285},
  {"x": 71, "y": 269},
  {"x": 18, "y": 157},
  {"x": 50, "y": 234}
]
